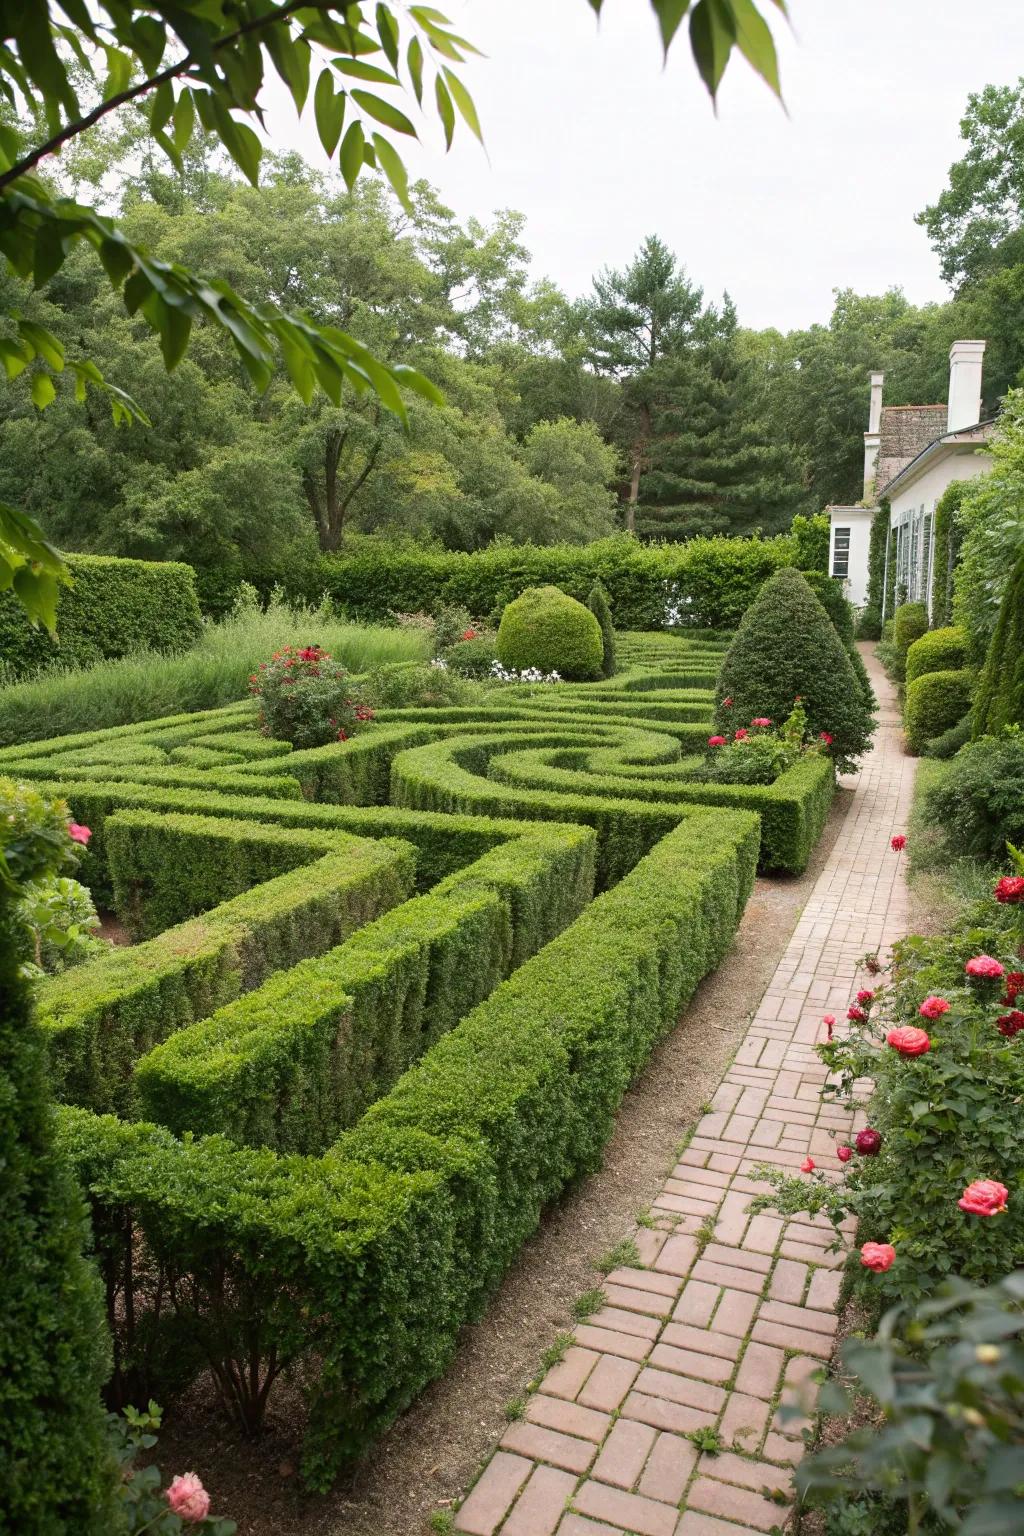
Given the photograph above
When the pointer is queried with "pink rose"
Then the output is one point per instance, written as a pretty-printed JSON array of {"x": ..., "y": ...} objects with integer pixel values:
[
  {"x": 188, "y": 1498},
  {"x": 78, "y": 833},
  {"x": 741, "y": 734},
  {"x": 898, "y": 843},
  {"x": 856, "y": 1015},
  {"x": 933, "y": 1008},
  {"x": 909, "y": 1040},
  {"x": 807, "y": 1166},
  {"x": 986, "y": 967},
  {"x": 864, "y": 997},
  {"x": 878, "y": 1256},
  {"x": 844, "y": 1154},
  {"x": 868, "y": 1142},
  {"x": 727, "y": 703},
  {"x": 716, "y": 741},
  {"x": 985, "y": 1197},
  {"x": 761, "y": 720}
]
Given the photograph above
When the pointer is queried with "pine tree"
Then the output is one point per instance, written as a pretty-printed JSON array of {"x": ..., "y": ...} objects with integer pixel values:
[{"x": 713, "y": 465}]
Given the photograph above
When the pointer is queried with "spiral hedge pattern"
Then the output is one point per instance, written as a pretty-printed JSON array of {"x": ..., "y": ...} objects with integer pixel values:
[{"x": 384, "y": 1000}]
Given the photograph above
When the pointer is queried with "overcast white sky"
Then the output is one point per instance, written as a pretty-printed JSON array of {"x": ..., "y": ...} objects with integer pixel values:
[{"x": 598, "y": 146}]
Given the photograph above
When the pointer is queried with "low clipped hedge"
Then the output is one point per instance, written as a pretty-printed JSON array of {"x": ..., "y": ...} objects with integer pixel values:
[
  {"x": 114, "y": 607},
  {"x": 936, "y": 701},
  {"x": 939, "y": 650},
  {"x": 718, "y": 576},
  {"x": 371, "y": 1258}
]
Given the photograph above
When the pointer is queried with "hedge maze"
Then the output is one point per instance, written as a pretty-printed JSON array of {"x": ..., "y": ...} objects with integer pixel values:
[{"x": 383, "y": 1002}]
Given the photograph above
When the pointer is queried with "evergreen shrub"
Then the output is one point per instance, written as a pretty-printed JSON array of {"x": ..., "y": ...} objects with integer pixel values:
[
  {"x": 1000, "y": 696},
  {"x": 869, "y": 623},
  {"x": 946, "y": 540},
  {"x": 910, "y": 622},
  {"x": 787, "y": 648},
  {"x": 978, "y": 802},
  {"x": 546, "y": 629},
  {"x": 939, "y": 650},
  {"x": 949, "y": 742},
  {"x": 114, "y": 608},
  {"x": 935, "y": 701},
  {"x": 597, "y": 602}
]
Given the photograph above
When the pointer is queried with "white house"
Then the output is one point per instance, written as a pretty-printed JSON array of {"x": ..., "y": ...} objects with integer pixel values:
[{"x": 911, "y": 454}]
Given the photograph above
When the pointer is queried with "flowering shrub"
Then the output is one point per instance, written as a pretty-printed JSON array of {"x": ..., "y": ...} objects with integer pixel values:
[
  {"x": 307, "y": 698},
  {"x": 61, "y": 918},
  {"x": 757, "y": 753},
  {"x": 184, "y": 1505},
  {"x": 942, "y": 1181},
  {"x": 502, "y": 674}
]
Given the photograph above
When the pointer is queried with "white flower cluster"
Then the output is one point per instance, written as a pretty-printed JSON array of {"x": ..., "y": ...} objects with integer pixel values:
[
  {"x": 440, "y": 663},
  {"x": 677, "y": 609},
  {"x": 527, "y": 675}
]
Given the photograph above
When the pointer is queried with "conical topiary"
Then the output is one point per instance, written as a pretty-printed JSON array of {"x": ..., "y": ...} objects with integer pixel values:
[
  {"x": 786, "y": 648},
  {"x": 599, "y": 606},
  {"x": 999, "y": 700}
]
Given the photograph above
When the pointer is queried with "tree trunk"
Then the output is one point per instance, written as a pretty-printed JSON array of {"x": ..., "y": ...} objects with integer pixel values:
[{"x": 639, "y": 458}]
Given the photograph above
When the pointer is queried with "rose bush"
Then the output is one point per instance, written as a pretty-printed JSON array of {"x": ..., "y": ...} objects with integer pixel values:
[{"x": 307, "y": 698}]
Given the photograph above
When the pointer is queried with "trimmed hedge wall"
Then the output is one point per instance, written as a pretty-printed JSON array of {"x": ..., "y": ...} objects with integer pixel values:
[
  {"x": 1000, "y": 698},
  {"x": 371, "y": 1258},
  {"x": 115, "y": 606},
  {"x": 940, "y": 650},
  {"x": 935, "y": 701},
  {"x": 718, "y": 576}
]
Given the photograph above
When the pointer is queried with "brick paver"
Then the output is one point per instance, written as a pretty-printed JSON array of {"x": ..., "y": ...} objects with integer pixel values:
[{"x": 729, "y": 1314}]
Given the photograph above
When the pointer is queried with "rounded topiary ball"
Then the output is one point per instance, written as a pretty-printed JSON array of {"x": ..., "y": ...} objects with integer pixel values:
[{"x": 546, "y": 628}]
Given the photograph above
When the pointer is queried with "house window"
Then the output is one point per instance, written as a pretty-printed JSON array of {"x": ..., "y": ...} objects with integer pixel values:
[
  {"x": 926, "y": 557},
  {"x": 841, "y": 553},
  {"x": 914, "y": 566}
]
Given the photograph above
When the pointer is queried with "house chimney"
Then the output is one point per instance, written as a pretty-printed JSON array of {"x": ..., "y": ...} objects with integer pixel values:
[
  {"x": 872, "y": 435},
  {"x": 965, "y": 361}
]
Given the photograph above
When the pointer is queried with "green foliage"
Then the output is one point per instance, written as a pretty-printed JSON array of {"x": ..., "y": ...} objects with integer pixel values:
[
  {"x": 758, "y": 754},
  {"x": 213, "y": 673},
  {"x": 946, "y": 539},
  {"x": 547, "y": 629},
  {"x": 306, "y": 698},
  {"x": 1000, "y": 697},
  {"x": 938, "y": 650},
  {"x": 61, "y": 919},
  {"x": 942, "y": 1449},
  {"x": 597, "y": 602},
  {"x": 474, "y": 658},
  {"x": 979, "y": 801},
  {"x": 949, "y": 742},
  {"x": 115, "y": 607},
  {"x": 869, "y": 625},
  {"x": 910, "y": 622},
  {"x": 419, "y": 684},
  {"x": 787, "y": 648},
  {"x": 142, "y": 1497},
  {"x": 58, "y": 1474},
  {"x": 936, "y": 701},
  {"x": 812, "y": 540},
  {"x": 992, "y": 517}
]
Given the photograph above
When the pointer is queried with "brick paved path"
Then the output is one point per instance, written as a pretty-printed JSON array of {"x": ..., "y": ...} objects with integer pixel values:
[{"x": 716, "y": 1333}]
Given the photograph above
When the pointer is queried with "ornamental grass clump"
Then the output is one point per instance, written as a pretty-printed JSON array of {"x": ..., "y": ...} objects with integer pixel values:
[
  {"x": 787, "y": 648},
  {"x": 307, "y": 698}
]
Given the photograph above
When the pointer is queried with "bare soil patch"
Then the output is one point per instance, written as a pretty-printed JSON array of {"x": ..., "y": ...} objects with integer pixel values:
[{"x": 433, "y": 1452}]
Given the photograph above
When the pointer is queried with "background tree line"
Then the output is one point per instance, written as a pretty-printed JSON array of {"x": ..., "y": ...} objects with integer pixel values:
[{"x": 640, "y": 404}]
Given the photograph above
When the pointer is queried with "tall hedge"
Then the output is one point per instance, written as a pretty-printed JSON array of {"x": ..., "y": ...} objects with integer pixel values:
[
  {"x": 946, "y": 541},
  {"x": 715, "y": 579},
  {"x": 812, "y": 535},
  {"x": 113, "y": 608},
  {"x": 56, "y": 1472},
  {"x": 597, "y": 602},
  {"x": 869, "y": 625},
  {"x": 1000, "y": 697},
  {"x": 785, "y": 647}
]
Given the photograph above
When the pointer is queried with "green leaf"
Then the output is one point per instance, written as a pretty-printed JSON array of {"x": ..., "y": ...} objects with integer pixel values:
[
  {"x": 43, "y": 343},
  {"x": 161, "y": 107},
  {"x": 329, "y": 110},
  {"x": 119, "y": 72},
  {"x": 670, "y": 14},
  {"x": 445, "y": 110},
  {"x": 359, "y": 70},
  {"x": 756, "y": 43},
  {"x": 291, "y": 57},
  {"x": 384, "y": 112},
  {"x": 117, "y": 260},
  {"x": 184, "y": 121},
  {"x": 414, "y": 59},
  {"x": 387, "y": 31},
  {"x": 15, "y": 358},
  {"x": 390, "y": 162},
  {"x": 350, "y": 157},
  {"x": 464, "y": 101},
  {"x": 711, "y": 39},
  {"x": 43, "y": 391}
]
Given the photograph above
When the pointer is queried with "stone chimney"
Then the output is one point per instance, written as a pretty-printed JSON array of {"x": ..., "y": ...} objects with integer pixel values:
[
  {"x": 872, "y": 435},
  {"x": 964, "y": 408}
]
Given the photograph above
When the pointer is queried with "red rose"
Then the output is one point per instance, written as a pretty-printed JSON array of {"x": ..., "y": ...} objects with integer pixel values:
[
  {"x": 468, "y": 634},
  {"x": 741, "y": 734},
  {"x": 1010, "y": 888},
  {"x": 807, "y": 1166},
  {"x": 844, "y": 1154},
  {"x": 716, "y": 741},
  {"x": 864, "y": 997},
  {"x": 727, "y": 703},
  {"x": 878, "y": 1256},
  {"x": 825, "y": 737},
  {"x": 985, "y": 1197},
  {"x": 908, "y": 1040},
  {"x": 984, "y": 968},
  {"x": 868, "y": 1142},
  {"x": 933, "y": 1007},
  {"x": 857, "y": 1015},
  {"x": 1014, "y": 984},
  {"x": 1010, "y": 1024},
  {"x": 898, "y": 843}
]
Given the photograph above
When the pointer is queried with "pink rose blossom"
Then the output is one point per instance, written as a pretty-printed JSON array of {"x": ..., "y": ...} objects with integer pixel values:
[
  {"x": 985, "y": 967},
  {"x": 716, "y": 741},
  {"x": 741, "y": 734},
  {"x": 864, "y": 997},
  {"x": 78, "y": 833},
  {"x": 878, "y": 1256},
  {"x": 898, "y": 843},
  {"x": 844, "y": 1154},
  {"x": 985, "y": 1197},
  {"x": 908, "y": 1040},
  {"x": 856, "y": 1015},
  {"x": 760, "y": 720},
  {"x": 825, "y": 737},
  {"x": 808, "y": 1165},
  {"x": 188, "y": 1499},
  {"x": 727, "y": 703},
  {"x": 933, "y": 1008}
]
